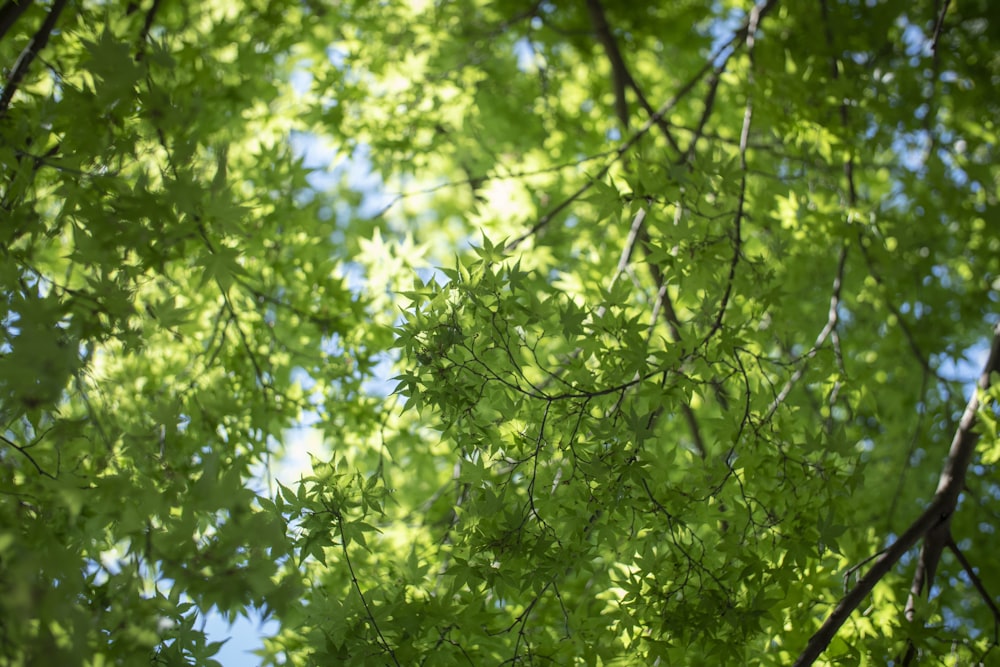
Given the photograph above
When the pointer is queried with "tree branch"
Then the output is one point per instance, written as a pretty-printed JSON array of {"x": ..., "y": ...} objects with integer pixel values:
[
  {"x": 28, "y": 55},
  {"x": 933, "y": 524},
  {"x": 660, "y": 114},
  {"x": 357, "y": 587},
  {"x": 621, "y": 77},
  {"x": 751, "y": 35},
  {"x": 23, "y": 451},
  {"x": 950, "y": 485},
  {"x": 829, "y": 328},
  {"x": 938, "y": 25},
  {"x": 976, "y": 581},
  {"x": 147, "y": 25},
  {"x": 10, "y": 12}
]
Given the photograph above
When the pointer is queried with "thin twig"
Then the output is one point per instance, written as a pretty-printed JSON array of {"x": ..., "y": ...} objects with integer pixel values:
[
  {"x": 938, "y": 25},
  {"x": 833, "y": 316},
  {"x": 24, "y": 452},
  {"x": 751, "y": 34},
  {"x": 976, "y": 581},
  {"x": 643, "y": 130},
  {"x": 357, "y": 588}
]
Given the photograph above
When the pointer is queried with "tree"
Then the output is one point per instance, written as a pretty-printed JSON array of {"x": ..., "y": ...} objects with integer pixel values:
[{"x": 682, "y": 299}]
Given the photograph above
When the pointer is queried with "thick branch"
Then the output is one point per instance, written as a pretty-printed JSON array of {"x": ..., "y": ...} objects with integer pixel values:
[
  {"x": 621, "y": 77},
  {"x": 147, "y": 25},
  {"x": 950, "y": 485},
  {"x": 932, "y": 523},
  {"x": 619, "y": 72},
  {"x": 933, "y": 515},
  {"x": 10, "y": 12},
  {"x": 28, "y": 55}
]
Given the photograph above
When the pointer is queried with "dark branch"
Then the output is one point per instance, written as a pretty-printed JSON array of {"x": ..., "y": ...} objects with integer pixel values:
[
  {"x": 660, "y": 114},
  {"x": 938, "y": 25},
  {"x": 357, "y": 588},
  {"x": 28, "y": 55},
  {"x": 147, "y": 25},
  {"x": 933, "y": 524},
  {"x": 950, "y": 485},
  {"x": 10, "y": 12},
  {"x": 751, "y": 34},
  {"x": 23, "y": 451},
  {"x": 976, "y": 581},
  {"x": 621, "y": 77},
  {"x": 829, "y": 328}
]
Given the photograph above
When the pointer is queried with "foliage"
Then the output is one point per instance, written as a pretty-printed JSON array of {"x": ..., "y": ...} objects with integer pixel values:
[{"x": 682, "y": 300}]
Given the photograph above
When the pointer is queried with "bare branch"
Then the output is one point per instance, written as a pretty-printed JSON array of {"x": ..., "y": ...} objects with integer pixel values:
[
  {"x": 357, "y": 587},
  {"x": 751, "y": 34},
  {"x": 28, "y": 55},
  {"x": 660, "y": 114},
  {"x": 938, "y": 25},
  {"x": 933, "y": 524},
  {"x": 147, "y": 24},
  {"x": 23, "y": 451},
  {"x": 950, "y": 485},
  {"x": 976, "y": 581},
  {"x": 9, "y": 13},
  {"x": 883, "y": 564},
  {"x": 620, "y": 76}
]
